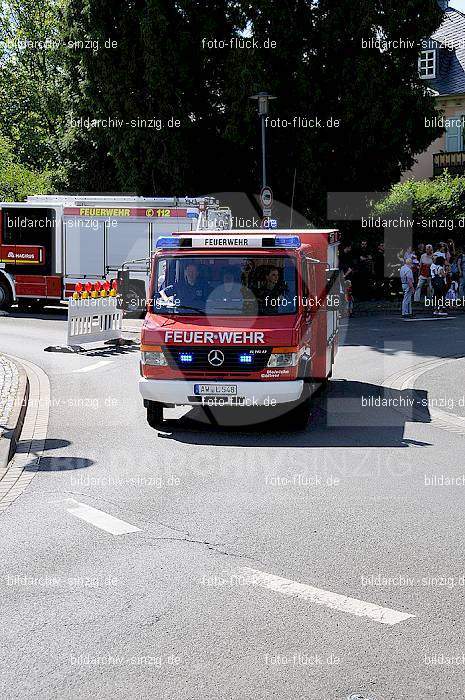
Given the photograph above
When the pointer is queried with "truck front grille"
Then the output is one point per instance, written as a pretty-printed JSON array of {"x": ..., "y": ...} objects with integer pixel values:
[{"x": 208, "y": 358}]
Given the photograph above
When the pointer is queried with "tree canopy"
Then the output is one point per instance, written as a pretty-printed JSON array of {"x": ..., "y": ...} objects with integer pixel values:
[{"x": 134, "y": 96}]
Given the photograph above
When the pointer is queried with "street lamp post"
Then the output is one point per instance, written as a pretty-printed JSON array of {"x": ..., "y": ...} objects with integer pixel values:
[{"x": 263, "y": 99}]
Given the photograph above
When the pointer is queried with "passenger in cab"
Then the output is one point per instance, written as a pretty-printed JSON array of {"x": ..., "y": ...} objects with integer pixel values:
[
  {"x": 230, "y": 296},
  {"x": 270, "y": 291}
]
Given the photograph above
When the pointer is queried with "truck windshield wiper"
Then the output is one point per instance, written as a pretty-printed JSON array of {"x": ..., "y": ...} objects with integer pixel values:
[
  {"x": 222, "y": 309},
  {"x": 190, "y": 308}
]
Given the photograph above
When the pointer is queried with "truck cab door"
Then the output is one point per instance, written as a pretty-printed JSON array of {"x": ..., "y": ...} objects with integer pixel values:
[{"x": 334, "y": 300}]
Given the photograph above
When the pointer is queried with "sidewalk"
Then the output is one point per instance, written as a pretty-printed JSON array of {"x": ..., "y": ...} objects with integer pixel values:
[
  {"x": 13, "y": 399},
  {"x": 393, "y": 308}
]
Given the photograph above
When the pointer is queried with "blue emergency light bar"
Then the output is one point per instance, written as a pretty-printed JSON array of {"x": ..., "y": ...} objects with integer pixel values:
[
  {"x": 186, "y": 357},
  {"x": 245, "y": 359},
  {"x": 168, "y": 242},
  {"x": 287, "y": 242},
  {"x": 224, "y": 241}
]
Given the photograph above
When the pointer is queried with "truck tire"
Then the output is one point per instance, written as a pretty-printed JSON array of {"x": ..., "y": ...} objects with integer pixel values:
[
  {"x": 298, "y": 417},
  {"x": 6, "y": 297},
  {"x": 154, "y": 414}
]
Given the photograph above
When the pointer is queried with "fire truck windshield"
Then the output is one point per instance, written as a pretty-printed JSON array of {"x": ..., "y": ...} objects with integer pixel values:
[{"x": 220, "y": 285}]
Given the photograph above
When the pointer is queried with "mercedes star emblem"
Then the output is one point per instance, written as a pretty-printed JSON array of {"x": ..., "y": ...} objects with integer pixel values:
[{"x": 215, "y": 358}]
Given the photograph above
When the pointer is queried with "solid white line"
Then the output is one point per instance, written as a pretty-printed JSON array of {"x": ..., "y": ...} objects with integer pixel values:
[
  {"x": 96, "y": 365},
  {"x": 100, "y": 519},
  {"x": 335, "y": 601}
]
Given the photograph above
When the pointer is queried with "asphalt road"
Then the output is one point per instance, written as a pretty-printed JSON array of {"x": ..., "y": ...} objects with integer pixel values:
[{"x": 169, "y": 607}]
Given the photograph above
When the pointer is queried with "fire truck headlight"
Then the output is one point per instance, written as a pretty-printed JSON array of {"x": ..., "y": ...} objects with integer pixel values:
[
  {"x": 283, "y": 359},
  {"x": 156, "y": 359}
]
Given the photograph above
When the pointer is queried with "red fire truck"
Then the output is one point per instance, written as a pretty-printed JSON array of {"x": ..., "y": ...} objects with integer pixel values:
[
  {"x": 51, "y": 242},
  {"x": 241, "y": 318}
]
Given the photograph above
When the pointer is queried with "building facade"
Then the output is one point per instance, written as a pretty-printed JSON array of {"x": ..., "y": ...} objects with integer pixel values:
[{"x": 442, "y": 66}]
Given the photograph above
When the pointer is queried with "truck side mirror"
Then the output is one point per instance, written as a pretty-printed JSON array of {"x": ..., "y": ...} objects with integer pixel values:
[
  {"x": 335, "y": 291},
  {"x": 123, "y": 286}
]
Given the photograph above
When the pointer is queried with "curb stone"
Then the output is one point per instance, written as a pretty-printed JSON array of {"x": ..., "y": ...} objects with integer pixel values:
[
  {"x": 10, "y": 432},
  {"x": 24, "y": 465}
]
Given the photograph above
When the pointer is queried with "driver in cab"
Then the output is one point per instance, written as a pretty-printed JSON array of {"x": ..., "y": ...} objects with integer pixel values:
[{"x": 189, "y": 291}]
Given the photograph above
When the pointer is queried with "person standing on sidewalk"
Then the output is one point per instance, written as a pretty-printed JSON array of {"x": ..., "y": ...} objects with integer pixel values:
[
  {"x": 438, "y": 280},
  {"x": 406, "y": 277},
  {"x": 424, "y": 278},
  {"x": 461, "y": 267}
]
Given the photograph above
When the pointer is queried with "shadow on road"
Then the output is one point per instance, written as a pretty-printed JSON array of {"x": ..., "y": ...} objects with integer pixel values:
[
  {"x": 111, "y": 351},
  {"x": 55, "y": 464},
  {"x": 392, "y": 335},
  {"x": 61, "y": 464},
  {"x": 52, "y": 313},
  {"x": 348, "y": 414}
]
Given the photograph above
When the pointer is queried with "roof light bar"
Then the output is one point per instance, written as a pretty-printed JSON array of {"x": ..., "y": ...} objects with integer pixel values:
[
  {"x": 287, "y": 242},
  {"x": 216, "y": 240},
  {"x": 174, "y": 242},
  {"x": 166, "y": 242}
]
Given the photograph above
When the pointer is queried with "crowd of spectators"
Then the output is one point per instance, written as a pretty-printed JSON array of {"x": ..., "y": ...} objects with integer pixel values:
[
  {"x": 363, "y": 265},
  {"x": 369, "y": 274}
]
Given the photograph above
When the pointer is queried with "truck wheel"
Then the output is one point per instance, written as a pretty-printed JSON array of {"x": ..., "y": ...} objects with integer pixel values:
[
  {"x": 154, "y": 414},
  {"x": 298, "y": 417},
  {"x": 6, "y": 298}
]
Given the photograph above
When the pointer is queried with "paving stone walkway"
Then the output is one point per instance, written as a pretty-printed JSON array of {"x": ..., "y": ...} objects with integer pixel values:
[{"x": 9, "y": 384}]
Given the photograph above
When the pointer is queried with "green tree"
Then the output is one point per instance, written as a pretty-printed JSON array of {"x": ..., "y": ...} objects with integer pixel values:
[
  {"x": 17, "y": 181},
  {"x": 321, "y": 68},
  {"x": 162, "y": 69},
  {"x": 158, "y": 70},
  {"x": 31, "y": 80},
  {"x": 377, "y": 94}
]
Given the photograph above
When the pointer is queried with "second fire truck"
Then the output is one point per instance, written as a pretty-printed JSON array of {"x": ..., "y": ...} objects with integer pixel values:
[{"x": 50, "y": 243}]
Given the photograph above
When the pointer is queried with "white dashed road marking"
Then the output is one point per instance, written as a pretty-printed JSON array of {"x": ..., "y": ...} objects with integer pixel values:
[
  {"x": 335, "y": 601},
  {"x": 96, "y": 365},
  {"x": 102, "y": 520}
]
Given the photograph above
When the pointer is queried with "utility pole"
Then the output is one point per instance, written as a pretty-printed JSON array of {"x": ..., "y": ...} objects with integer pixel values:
[{"x": 263, "y": 99}]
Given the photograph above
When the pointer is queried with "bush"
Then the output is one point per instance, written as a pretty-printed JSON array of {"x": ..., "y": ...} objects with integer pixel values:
[{"x": 441, "y": 198}]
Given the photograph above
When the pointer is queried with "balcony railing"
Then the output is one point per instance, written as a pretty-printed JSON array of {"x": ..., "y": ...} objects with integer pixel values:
[{"x": 454, "y": 162}]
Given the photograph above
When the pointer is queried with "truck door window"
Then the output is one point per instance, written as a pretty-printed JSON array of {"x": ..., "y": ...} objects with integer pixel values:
[
  {"x": 305, "y": 292},
  {"x": 31, "y": 227}
]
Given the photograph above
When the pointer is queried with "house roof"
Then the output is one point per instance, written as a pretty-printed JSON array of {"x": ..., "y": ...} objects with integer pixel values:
[{"x": 451, "y": 33}]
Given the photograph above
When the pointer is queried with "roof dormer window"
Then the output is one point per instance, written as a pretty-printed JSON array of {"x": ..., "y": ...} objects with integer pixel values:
[{"x": 427, "y": 64}]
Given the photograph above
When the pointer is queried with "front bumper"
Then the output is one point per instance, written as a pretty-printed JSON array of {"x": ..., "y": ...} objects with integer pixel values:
[{"x": 181, "y": 393}]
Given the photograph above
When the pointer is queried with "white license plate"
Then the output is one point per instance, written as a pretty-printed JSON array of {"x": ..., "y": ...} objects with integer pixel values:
[{"x": 215, "y": 389}]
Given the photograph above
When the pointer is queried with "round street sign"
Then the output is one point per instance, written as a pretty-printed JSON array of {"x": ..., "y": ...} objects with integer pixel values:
[{"x": 266, "y": 197}]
